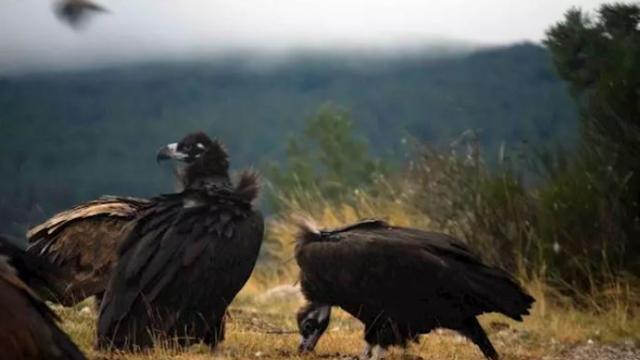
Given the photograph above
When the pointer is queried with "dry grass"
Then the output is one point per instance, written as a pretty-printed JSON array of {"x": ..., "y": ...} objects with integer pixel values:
[{"x": 258, "y": 324}]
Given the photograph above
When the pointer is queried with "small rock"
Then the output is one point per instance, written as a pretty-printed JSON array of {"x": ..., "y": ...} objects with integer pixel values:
[
  {"x": 282, "y": 293},
  {"x": 459, "y": 339}
]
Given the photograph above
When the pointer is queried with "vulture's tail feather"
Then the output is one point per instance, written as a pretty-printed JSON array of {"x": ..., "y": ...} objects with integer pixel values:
[{"x": 498, "y": 291}]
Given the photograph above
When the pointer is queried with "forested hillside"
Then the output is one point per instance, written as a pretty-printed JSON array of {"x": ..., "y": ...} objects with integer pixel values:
[{"x": 69, "y": 137}]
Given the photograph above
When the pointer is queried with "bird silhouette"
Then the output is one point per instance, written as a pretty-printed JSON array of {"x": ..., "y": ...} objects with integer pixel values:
[{"x": 77, "y": 12}]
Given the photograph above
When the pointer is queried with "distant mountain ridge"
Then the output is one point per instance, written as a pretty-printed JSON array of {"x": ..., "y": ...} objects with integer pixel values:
[
  {"x": 109, "y": 58},
  {"x": 71, "y": 136}
]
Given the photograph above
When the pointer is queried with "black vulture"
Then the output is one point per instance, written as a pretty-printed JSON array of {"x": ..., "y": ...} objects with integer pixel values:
[
  {"x": 28, "y": 328},
  {"x": 400, "y": 282},
  {"x": 83, "y": 243},
  {"x": 76, "y": 12},
  {"x": 187, "y": 255}
]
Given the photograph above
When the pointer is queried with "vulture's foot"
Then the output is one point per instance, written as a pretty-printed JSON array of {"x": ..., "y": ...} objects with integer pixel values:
[{"x": 372, "y": 352}]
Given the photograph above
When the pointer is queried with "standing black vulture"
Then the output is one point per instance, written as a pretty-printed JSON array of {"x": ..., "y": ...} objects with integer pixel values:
[
  {"x": 187, "y": 255},
  {"x": 28, "y": 328},
  {"x": 83, "y": 243},
  {"x": 400, "y": 283}
]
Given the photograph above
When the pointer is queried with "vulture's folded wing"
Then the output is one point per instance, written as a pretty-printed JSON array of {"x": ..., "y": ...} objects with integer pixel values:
[
  {"x": 214, "y": 244},
  {"x": 391, "y": 265}
]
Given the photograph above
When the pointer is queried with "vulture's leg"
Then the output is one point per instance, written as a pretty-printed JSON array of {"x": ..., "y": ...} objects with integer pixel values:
[
  {"x": 366, "y": 352},
  {"x": 378, "y": 353},
  {"x": 98, "y": 301},
  {"x": 215, "y": 335},
  {"x": 472, "y": 330}
]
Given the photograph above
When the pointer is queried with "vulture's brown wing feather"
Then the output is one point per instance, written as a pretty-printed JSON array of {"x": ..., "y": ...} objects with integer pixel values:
[
  {"x": 118, "y": 206},
  {"x": 83, "y": 242},
  {"x": 28, "y": 328}
]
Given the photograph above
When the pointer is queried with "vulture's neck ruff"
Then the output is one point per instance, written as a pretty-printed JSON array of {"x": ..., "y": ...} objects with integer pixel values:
[{"x": 308, "y": 230}]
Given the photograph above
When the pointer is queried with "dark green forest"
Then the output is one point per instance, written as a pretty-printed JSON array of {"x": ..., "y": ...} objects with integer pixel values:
[{"x": 72, "y": 136}]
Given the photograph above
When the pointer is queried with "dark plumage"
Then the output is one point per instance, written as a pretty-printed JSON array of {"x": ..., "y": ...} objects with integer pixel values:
[
  {"x": 82, "y": 243},
  {"x": 186, "y": 257},
  {"x": 400, "y": 283},
  {"x": 28, "y": 328},
  {"x": 76, "y": 12},
  {"x": 46, "y": 279}
]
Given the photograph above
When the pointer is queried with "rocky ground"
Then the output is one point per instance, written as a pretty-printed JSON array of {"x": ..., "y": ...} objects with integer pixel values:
[{"x": 595, "y": 351}]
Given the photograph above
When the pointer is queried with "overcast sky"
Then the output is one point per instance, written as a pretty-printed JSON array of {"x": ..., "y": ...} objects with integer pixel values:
[{"x": 31, "y": 37}]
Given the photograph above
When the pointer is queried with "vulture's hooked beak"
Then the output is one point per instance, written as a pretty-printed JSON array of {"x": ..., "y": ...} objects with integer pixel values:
[
  {"x": 170, "y": 152},
  {"x": 308, "y": 343}
]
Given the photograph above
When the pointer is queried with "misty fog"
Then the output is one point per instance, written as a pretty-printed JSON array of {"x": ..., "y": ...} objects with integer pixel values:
[{"x": 31, "y": 38}]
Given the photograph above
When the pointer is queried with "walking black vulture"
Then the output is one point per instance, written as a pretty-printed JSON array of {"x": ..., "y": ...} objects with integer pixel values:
[
  {"x": 28, "y": 328},
  {"x": 400, "y": 283},
  {"x": 187, "y": 255},
  {"x": 82, "y": 243}
]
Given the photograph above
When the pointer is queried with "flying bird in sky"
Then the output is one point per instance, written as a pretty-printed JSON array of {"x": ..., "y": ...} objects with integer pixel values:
[
  {"x": 186, "y": 256},
  {"x": 28, "y": 328},
  {"x": 400, "y": 282},
  {"x": 77, "y": 12},
  {"x": 83, "y": 243}
]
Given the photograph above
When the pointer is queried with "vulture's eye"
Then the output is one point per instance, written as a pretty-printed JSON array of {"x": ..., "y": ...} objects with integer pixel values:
[{"x": 186, "y": 148}]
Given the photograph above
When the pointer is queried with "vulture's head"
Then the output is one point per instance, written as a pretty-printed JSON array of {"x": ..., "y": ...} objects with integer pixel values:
[
  {"x": 313, "y": 320},
  {"x": 203, "y": 158}
]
